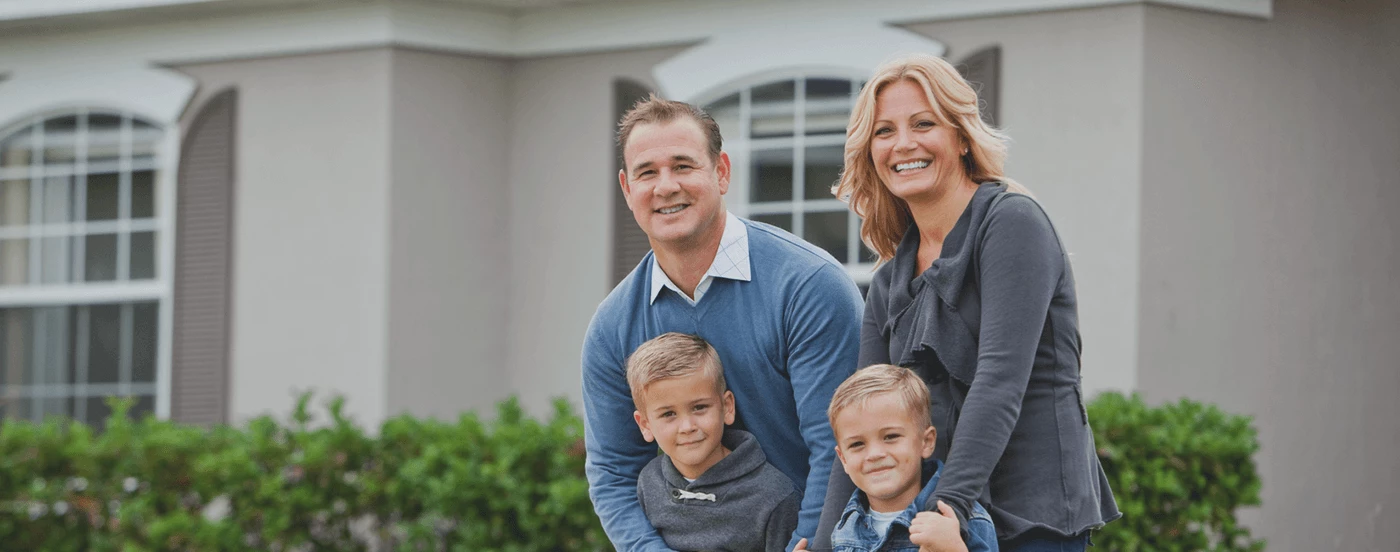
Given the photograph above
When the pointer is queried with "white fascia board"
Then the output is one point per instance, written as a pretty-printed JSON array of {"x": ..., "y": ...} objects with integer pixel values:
[
  {"x": 11, "y": 10},
  {"x": 575, "y": 28}
]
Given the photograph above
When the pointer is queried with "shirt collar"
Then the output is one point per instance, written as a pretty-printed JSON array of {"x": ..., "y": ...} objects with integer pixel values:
[{"x": 731, "y": 261}]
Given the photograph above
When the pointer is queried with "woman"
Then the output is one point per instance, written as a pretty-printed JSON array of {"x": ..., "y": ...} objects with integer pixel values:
[{"x": 975, "y": 293}]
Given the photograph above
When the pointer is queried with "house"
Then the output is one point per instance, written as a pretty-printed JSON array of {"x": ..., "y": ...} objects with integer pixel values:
[{"x": 212, "y": 204}]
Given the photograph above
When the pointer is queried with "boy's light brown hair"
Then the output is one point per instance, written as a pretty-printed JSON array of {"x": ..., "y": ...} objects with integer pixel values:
[
  {"x": 879, "y": 379},
  {"x": 672, "y": 355},
  {"x": 655, "y": 110}
]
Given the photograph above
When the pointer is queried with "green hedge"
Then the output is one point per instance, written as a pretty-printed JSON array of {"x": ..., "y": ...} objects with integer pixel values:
[
  {"x": 512, "y": 485},
  {"x": 1179, "y": 472}
]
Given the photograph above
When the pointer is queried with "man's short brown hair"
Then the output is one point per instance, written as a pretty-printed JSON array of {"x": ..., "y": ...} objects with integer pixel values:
[
  {"x": 878, "y": 380},
  {"x": 655, "y": 110},
  {"x": 672, "y": 355}
]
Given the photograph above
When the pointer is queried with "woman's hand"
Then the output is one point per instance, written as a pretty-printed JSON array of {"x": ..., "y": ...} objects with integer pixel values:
[
  {"x": 937, "y": 531},
  {"x": 801, "y": 546}
]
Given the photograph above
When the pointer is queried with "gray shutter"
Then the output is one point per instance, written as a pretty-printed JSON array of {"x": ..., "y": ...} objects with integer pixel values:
[
  {"x": 629, "y": 243},
  {"x": 983, "y": 69},
  {"x": 203, "y": 265}
]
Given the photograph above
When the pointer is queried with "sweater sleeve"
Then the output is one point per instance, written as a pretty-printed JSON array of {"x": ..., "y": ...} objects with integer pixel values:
[
  {"x": 822, "y": 322},
  {"x": 782, "y": 521},
  {"x": 616, "y": 452},
  {"x": 873, "y": 350},
  {"x": 1021, "y": 264}
]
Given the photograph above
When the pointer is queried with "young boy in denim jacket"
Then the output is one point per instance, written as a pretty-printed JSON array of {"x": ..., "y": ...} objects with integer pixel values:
[
  {"x": 885, "y": 443},
  {"x": 713, "y": 489}
]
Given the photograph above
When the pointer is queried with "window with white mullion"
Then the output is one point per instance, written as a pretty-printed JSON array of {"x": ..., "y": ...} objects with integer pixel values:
[{"x": 81, "y": 292}]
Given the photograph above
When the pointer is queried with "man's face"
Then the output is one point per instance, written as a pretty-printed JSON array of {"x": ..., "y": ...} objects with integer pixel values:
[
  {"x": 686, "y": 417},
  {"x": 672, "y": 186},
  {"x": 882, "y": 448}
]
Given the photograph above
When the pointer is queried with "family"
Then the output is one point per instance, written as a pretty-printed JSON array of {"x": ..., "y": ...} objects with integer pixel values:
[{"x": 944, "y": 412}]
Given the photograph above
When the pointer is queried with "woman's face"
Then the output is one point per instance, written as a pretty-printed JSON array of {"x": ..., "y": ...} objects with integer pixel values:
[{"x": 917, "y": 158}]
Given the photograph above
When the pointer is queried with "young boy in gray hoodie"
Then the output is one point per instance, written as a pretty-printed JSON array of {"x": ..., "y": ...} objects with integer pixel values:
[{"x": 713, "y": 489}]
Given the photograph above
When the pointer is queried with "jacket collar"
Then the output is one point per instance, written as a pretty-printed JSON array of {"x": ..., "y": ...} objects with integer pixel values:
[
  {"x": 744, "y": 457},
  {"x": 949, "y": 272},
  {"x": 857, "y": 506}
]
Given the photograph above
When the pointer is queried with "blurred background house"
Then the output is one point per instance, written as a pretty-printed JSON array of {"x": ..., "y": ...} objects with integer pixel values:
[{"x": 210, "y": 204}]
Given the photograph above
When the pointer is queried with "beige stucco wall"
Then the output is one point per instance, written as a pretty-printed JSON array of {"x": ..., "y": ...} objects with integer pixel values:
[
  {"x": 1269, "y": 251},
  {"x": 1071, "y": 100},
  {"x": 448, "y": 234},
  {"x": 310, "y": 246},
  {"x": 561, "y": 178}
]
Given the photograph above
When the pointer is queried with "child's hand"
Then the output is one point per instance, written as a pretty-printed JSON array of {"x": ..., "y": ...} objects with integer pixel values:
[
  {"x": 801, "y": 546},
  {"x": 937, "y": 531}
]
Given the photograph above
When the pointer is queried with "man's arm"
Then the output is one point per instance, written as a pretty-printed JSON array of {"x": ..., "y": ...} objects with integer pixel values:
[
  {"x": 616, "y": 451},
  {"x": 873, "y": 350},
  {"x": 822, "y": 321}
]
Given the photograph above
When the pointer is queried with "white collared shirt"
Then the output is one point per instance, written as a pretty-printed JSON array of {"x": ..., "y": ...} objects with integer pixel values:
[{"x": 731, "y": 261}]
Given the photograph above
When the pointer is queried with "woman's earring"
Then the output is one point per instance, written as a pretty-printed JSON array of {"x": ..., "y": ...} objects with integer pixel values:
[{"x": 964, "y": 151}]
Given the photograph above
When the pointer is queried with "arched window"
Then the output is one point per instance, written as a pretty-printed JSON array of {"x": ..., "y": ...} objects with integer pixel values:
[
  {"x": 82, "y": 283},
  {"x": 786, "y": 138}
]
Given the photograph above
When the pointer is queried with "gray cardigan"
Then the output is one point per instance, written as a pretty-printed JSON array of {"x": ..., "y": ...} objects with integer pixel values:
[
  {"x": 993, "y": 328},
  {"x": 741, "y": 504}
]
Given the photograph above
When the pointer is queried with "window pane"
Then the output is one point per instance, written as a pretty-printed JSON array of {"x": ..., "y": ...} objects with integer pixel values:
[
  {"x": 104, "y": 139},
  {"x": 144, "y": 140},
  {"x": 823, "y": 169},
  {"x": 14, "y": 262},
  {"x": 102, "y": 191},
  {"x": 15, "y": 150},
  {"x": 52, "y": 345},
  {"x": 101, "y": 257},
  {"x": 97, "y": 411},
  {"x": 828, "y": 231},
  {"x": 58, "y": 203},
  {"x": 14, "y": 202},
  {"x": 143, "y": 197},
  {"x": 104, "y": 343},
  {"x": 60, "y": 141},
  {"x": 54, "y": 260},
  {"x": 16, "y": 346},
  {"x": 143, "y": 336},
  {"x": 771, "y": 176},
  {"x": 143, "y": 256},
  {"x": 828, "y": 106},
  {"x": 783, "y": 221},
  {"x": 773, "y": 109}
]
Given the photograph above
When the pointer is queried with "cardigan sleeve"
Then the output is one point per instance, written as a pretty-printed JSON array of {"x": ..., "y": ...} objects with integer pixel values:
[{"x": 1021, "y": 264}]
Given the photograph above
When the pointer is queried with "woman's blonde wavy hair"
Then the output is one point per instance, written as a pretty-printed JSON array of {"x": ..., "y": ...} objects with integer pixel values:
[{"x": 954, "y": 102}]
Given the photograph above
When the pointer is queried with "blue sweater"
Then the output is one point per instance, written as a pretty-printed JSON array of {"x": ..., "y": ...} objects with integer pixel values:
[{"x": 786, "y": 338}]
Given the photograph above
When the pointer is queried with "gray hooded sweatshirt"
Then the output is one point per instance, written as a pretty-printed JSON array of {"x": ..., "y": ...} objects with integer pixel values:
[{"x": 741, "y": 504}]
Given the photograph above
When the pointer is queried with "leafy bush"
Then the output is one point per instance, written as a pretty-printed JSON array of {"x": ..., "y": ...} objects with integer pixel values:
[
  {"x": 512, "y": 485},
  {"x": 1179, "y": 473}
]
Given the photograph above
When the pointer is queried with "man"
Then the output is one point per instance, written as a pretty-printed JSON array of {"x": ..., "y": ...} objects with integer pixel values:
[{"x": 782, "y": 314}]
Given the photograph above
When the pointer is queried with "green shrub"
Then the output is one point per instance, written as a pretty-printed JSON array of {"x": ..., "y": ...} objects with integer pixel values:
[
  {"x": 511, "y": 485},
  {"x": 1179, "y": 473}
]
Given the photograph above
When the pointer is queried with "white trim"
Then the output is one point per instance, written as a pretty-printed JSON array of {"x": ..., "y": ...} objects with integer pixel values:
[
  {"x": 81, "y": 294},
  {"x": 164, "y": 32},
  {"x": 818, "y": 46},
  {"x": 156, "y": 95}
]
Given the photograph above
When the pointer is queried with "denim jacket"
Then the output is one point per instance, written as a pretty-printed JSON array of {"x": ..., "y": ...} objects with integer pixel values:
[{"x": 854, "y": 533}]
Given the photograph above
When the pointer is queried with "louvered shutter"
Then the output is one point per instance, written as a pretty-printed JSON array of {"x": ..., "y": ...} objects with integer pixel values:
[
  {"x": 983, "y": 69},
  {"x": 629, "y": 243},
  {"x": 203, "y": 265}
]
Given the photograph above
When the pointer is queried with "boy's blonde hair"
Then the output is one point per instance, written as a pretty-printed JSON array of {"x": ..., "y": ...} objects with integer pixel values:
[
  {"x": 879, "y": 379},
  {"x": 672, "y": 355}
]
